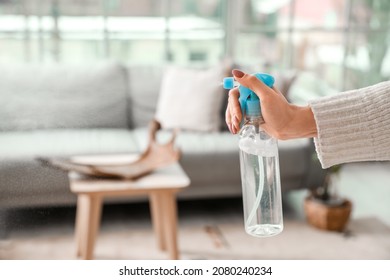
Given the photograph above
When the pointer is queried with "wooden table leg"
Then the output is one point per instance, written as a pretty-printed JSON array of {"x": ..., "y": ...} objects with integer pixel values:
[
  {"x": 155, "y": 204},
  {"x": 80, "y": 221},
  {"x": 169, "y": 212},
  {"x": 88, "y": 221}
]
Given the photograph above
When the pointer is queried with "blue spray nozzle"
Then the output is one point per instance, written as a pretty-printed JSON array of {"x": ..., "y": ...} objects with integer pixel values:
[
  {"x": 249, "y": 101},
  {"x": 228, "y": 83}
]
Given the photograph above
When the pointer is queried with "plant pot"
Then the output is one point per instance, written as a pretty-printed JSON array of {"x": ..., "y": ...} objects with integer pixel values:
[{"x": 327, "y": 216}]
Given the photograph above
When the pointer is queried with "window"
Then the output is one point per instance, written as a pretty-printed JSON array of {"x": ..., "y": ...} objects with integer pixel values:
[
  {"x": 132, "y": 31},
  {"x": 345, "y": 42}
]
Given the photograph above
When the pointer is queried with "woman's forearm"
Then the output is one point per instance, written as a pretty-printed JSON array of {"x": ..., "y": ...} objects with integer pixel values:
[{"x": 353, "y": 126}]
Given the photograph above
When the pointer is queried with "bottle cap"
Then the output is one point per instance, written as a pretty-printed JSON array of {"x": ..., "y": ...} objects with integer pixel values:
[{"x": 253, "y": 107}]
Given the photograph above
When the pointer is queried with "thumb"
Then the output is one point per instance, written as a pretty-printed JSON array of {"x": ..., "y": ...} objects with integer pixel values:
[{"x": 251, "y": 82}]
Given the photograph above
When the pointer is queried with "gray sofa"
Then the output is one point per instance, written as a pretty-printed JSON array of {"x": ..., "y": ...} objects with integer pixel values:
[{"x": 67, "y": 110}]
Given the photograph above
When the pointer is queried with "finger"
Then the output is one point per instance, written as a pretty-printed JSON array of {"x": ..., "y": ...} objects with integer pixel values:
[
  {"x": 228, "y": 119},
  {"x": 235, "y": 109},
  {"x": 234, "y": 104}
]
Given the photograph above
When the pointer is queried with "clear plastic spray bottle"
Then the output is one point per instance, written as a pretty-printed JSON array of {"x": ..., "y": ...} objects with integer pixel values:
[{"x": 259, "y": 164}]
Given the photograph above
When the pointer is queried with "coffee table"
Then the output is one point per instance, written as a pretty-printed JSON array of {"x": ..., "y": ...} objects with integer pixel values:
[{"x": 160, "y": 186}]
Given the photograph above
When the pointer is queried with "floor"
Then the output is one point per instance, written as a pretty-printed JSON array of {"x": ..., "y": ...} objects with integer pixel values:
[{"x": 213, "y": 229}]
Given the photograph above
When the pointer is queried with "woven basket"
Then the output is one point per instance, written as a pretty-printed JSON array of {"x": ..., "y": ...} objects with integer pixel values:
[{"x": 326, "y": 217}]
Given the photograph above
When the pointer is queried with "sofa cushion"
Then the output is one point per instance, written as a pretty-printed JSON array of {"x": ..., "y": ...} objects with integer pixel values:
[
  {"x": 191, "y": 99},
  {"x": 143, "y": 88},
  {"x": 191, "y": 142},
  {"x": 62, "y": 96},
  {"x": 65, "y": 142}
]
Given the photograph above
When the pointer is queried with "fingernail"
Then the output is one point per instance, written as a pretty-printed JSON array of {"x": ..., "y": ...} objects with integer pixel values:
[{"x": 237, "y": 73}]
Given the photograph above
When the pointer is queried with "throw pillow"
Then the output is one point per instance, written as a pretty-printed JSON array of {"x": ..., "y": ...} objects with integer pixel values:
[{"x": 191, "y": 99}]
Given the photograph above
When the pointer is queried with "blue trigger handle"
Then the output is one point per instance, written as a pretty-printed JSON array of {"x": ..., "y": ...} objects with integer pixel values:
[{"x": 249, "y": 101}]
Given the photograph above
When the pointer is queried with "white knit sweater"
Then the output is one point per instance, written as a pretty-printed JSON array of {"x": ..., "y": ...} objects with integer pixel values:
[{"x": 353, "y": 126}]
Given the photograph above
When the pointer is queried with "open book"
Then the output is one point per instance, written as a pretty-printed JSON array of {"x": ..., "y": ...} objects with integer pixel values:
[{"x": 122, "y": 166}]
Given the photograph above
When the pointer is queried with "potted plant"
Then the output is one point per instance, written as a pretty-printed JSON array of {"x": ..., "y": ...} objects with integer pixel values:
[{"x": 324, "y": 208}]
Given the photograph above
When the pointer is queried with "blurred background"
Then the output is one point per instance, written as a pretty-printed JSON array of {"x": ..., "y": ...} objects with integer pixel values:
[
  {"x": 345, "y": 42},
  {"x": 334, "y": 45}
]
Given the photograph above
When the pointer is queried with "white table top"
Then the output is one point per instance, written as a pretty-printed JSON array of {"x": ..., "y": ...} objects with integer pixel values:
[{"x": 169, "y": 177}]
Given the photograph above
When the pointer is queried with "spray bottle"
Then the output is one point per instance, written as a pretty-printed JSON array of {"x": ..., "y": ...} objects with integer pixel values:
[{"x": 259, "y": 164}]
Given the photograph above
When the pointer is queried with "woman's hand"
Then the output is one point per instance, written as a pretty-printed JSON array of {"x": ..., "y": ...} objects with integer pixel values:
[{"x": 282, "y": 119}]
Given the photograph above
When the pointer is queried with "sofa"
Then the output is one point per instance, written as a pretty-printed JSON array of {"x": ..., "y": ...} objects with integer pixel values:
[{"x": 65, "y": 110}]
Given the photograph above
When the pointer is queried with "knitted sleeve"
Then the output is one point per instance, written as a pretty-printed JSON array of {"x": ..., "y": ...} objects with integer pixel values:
[{"x": 353, "y": 126}]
